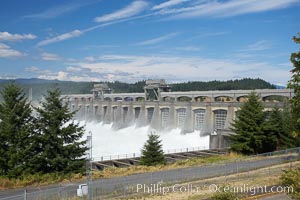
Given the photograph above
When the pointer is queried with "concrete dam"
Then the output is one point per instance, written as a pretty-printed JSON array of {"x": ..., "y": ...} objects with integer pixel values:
[{"x": 209, "y": 112}]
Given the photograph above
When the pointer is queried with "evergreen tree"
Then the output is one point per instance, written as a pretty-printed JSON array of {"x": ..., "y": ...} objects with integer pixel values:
[
  {"x": 294, "y": 83},
  {"x": 278, "y": 137},
  {"x": 249, "y": 127},
  {"x": 289, "y": 124},
  {"x": 152, "y": 153},
  {"x": 16, "y": 129},
  {"x": 58, "y": 146}
]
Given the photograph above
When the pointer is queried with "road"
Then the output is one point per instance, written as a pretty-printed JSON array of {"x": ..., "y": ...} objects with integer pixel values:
[
  {"x": 128, "y": 184},
  {"x": 281, "y": 196}
]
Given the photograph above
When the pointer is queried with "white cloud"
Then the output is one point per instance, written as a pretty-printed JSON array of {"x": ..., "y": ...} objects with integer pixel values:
[
  {"x": 89, "y": 59},
  {"x": 31, "y": 69},
  {"x": 7, "y": 76},
  {"x": 131, "y": 68},
  {"x": 208, "y": 34},
  {"x": 65, "y": 76},
  {"x": 258, "y": 46},
  {"x": 157, "y": 40},
  {"x": 227, "y": 8},
  {"x": 50, "y": 57},
  {"x": 47, "y": 74},
  {"x": 58, "y": 11},
  {"x": 191, "y": 9},
  {"x": 168, "y": 4},
  {"x": 37, "y": 70},
  {"x": 61, "y": 37},
  {"x": 7, "y": 52},
  {"x": 133, "y": 9},
  {"x": 6, "y": 36},
  {"x": 77, "y": 33},
  {"x": 70, "y": 74},
  {"x": 99, "y": 46},
  {"x": 61, "y": 75},
  {"x": 188, "y": 48},
  {"x": 178, "y": 68},
  {"x": 73, "y": 69}
]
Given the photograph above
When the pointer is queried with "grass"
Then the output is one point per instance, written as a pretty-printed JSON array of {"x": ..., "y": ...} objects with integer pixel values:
[
  {"x": 47, "y": 179},
  {"x": 36, "y": 180}
]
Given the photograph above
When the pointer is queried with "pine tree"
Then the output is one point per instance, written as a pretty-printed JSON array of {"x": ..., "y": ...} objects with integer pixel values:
[
  {"x": 249, "y": 127},
  {"x": 278, "y": 137},
  {"x": 58, "y": 146},
  {"x": 294, "y": 83},
  {"x": 152, "y": 153},
  {"x": 16, "y": 129},
  {"x": 289, "y": 124}
]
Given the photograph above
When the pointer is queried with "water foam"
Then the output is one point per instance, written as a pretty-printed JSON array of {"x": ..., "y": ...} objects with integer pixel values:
[{"x": 107, "y": 141}]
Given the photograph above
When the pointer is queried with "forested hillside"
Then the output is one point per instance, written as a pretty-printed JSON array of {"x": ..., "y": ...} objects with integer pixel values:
[
  {"x": 40, "y": 86},
  {"x": 241, "y": 84}
]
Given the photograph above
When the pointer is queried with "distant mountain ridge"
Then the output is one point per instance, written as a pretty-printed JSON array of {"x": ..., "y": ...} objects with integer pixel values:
[
  {"x": 279, "y": 87},
  {"x": 29, "y": 81}
]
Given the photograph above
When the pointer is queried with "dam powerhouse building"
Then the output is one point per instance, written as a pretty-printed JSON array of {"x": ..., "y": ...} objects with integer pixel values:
[{"x": 209, "y": 112}]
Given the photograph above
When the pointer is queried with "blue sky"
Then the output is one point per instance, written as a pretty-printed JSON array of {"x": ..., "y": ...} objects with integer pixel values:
[{"x": 125, "y": 40}]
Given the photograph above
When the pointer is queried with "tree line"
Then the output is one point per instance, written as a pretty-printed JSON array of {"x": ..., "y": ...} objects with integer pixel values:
[
  {"x": 38, "y": 140},
  {"x": 39, "y": 86},
  {"x": 257, "y": 131},
  {"x": 238, "y": 84}
]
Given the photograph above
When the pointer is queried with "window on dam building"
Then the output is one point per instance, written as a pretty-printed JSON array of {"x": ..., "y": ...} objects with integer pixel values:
[
  {"x": 220, "y": 119},
  {"x": 224, "y": 99},
  {"x": 275, "y": 98},
  {"x": 199, "y": 118},
  {"x": 184, "y": 99}
]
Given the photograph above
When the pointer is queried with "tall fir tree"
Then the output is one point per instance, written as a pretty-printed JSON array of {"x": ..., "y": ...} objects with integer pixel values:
[
  {"x": 16, "y": 129},
  {"x": 278, "y": 136},
  {"x": 294, "y": 83},
  {"x": 152, "y": 153},
  {"x": 249, "y": 127},
  {"x": 59, "y": 148},
  {"x": 289, "y": 123}
]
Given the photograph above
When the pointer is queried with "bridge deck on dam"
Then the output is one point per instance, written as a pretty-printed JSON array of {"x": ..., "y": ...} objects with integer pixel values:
[{"x": 233, "y": 95}]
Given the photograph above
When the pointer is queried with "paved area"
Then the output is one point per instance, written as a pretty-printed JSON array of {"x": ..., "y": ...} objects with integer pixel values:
[{"x": 280, "y": 196}]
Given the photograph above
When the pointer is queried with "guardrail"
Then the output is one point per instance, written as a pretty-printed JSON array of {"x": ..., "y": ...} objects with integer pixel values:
[{"x": 134, "y": 155}]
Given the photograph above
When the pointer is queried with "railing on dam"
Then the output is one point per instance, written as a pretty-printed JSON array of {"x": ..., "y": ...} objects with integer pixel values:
[
  {"x": 135, "y": 155},
  {"x": 193, "y": 96}
]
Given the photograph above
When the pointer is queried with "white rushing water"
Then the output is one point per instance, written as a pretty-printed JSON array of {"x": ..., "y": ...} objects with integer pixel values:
[{"x": 107, "y": 141}]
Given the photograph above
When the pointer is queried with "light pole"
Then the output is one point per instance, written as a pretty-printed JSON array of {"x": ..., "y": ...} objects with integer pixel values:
[{"x": 90, "y": 166}]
